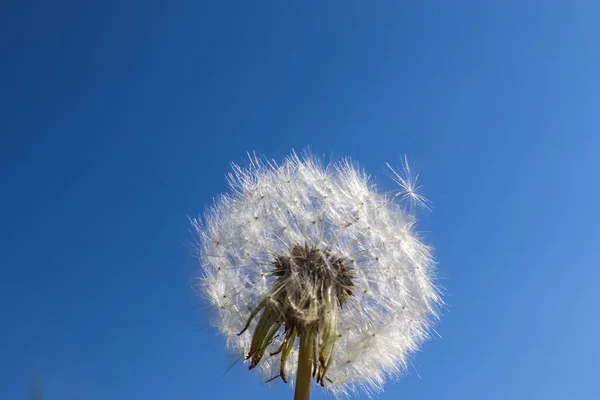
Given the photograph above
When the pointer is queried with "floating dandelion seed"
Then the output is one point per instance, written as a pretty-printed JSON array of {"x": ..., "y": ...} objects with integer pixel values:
[
  {"x": 301, "y": 251},
  {"x": 408, "y": 182}
]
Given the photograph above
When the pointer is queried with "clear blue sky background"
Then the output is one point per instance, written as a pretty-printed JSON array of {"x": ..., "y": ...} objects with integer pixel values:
[{"x": 118, "y": 120}]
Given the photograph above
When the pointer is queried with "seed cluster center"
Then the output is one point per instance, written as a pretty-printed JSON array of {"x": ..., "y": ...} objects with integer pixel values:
[
  {"x": 315, "y": 270},
  {"x": 310, "y": 285}
]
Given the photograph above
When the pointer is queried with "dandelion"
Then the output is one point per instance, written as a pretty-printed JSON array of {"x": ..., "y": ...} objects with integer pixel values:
[{"x": 317, "y": 275}]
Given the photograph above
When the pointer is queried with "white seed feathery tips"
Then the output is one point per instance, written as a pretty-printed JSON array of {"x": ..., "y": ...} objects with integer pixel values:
[
  {"x": 301, "y": 249},
  {"x": 408, "y": 182}
]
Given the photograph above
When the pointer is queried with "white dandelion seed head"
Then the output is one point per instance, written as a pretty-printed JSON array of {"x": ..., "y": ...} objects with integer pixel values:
[{"x": 370, "y": 288}]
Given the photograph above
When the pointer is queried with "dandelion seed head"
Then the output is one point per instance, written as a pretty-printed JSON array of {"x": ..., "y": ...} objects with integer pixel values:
[{"x": 298, "y": 246}]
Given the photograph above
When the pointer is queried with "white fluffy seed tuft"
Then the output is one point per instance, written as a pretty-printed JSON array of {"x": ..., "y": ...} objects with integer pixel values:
[{"x": 273, "y": 207}]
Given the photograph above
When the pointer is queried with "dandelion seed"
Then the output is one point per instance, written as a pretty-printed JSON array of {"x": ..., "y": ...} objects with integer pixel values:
[
  {"x": 316, "y": 275},
  {"x": 408, "y": 182}
]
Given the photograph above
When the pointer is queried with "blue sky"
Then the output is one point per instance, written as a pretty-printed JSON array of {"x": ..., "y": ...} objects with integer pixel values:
[{"x": 119, "y": 119}]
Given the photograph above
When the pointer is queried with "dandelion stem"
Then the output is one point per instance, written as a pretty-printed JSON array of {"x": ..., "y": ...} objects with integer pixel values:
[{"x": 305, "y": 363}]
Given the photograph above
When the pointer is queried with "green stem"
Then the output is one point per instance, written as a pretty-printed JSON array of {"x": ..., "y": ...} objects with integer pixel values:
[{"x": 305, "y": 363}]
